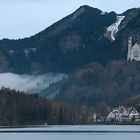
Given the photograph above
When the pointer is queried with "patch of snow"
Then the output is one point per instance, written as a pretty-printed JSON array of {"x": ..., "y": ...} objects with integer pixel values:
[
  {"x": 28, "y": 83},
  {"x": 113, "y": 29},
  {"x": 103, "y": 13}
]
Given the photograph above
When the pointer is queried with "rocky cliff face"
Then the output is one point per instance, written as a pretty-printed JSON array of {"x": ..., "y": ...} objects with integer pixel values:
[
  {"x": 129, "y": 15},
  {"x": 132, "y": 29}
]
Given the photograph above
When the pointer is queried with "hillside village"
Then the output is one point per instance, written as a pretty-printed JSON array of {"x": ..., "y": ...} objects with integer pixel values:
[
  {"x": 119, "y": 114},
  {"x": 122, "y": 114}
]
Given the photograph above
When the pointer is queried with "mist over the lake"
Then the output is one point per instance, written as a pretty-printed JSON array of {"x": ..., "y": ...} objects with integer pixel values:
[{"x": 28, "y": 83}]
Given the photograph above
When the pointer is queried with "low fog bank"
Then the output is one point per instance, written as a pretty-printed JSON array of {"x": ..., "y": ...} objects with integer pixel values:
[{"x": 29, "y": 83}]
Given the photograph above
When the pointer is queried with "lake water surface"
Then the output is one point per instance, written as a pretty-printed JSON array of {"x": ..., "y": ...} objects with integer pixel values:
[{"x": 94, "y": 132}]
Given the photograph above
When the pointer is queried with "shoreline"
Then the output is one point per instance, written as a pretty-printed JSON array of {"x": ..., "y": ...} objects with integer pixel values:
[
  {"x": 65, "y": 131},
  {"x": 50, "y": 125}
]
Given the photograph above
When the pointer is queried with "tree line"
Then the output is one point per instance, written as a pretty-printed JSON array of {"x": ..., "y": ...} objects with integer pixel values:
[{"x": 18, "y": 108}]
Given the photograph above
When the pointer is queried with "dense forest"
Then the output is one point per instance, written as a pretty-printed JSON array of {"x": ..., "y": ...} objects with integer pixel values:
[
  {"x": 18, "y": 109},
  {"x": 115, "y": 84},
  {"x": 92, "y": 89}
]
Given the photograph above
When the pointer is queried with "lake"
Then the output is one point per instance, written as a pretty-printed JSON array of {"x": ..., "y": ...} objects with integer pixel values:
[{"x": 87, "y": 132}]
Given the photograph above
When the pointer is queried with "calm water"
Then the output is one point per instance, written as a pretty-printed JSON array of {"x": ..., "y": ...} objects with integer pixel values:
[{"x": 74, "y": 136}]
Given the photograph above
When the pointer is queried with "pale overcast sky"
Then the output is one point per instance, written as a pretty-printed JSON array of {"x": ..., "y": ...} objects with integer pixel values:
[{"x": 23, "y": 18}]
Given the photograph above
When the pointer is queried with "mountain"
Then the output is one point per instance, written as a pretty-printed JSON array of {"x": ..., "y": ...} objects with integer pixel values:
[
  {"x": 85, "y": 36},
  {"x": 69, "y": 44},
  {"x": 129, "y": 15},
  {"x": 87, "y": 45}
]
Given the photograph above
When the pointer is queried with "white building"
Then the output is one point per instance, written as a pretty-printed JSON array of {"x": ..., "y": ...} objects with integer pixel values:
[
  {"x": 122, "y": 114},
  {"x": 134, "y": 114},
  {"x": 111, "y": 117},
  {"x": 133, "y": 50}
]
